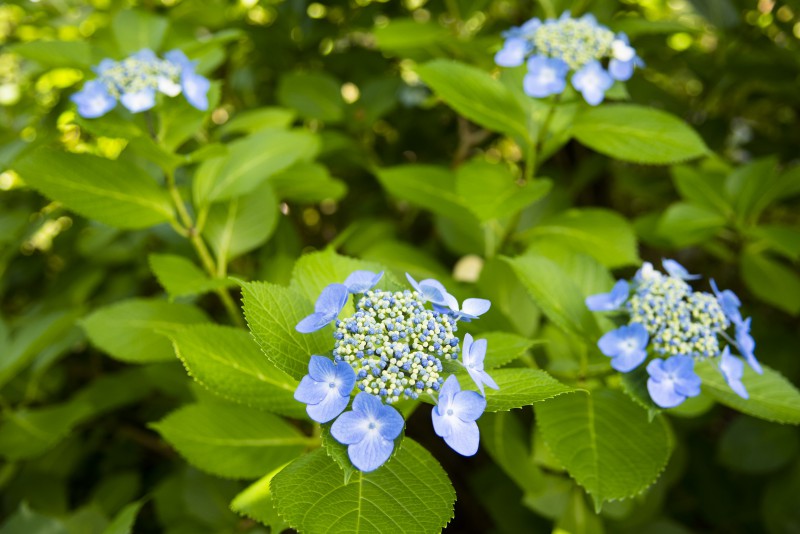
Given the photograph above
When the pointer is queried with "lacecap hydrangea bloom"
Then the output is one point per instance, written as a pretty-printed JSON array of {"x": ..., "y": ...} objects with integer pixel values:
[
  {"x": 136, "y": 80},
  {"x": 667, "y": 319},
  {"x": 554, "y": 48},
  {"x": 390, "y": 349}
]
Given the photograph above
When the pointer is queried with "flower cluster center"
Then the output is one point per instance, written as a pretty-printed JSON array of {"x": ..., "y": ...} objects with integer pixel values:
[
  {"x": 575, "y": 41},
  {"x": 678, "y": 320},
  {"x": 395, "y": 345},
  {"x": 132, "y": 75}
]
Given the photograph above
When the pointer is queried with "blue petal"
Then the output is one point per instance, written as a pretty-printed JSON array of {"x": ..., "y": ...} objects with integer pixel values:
[
  {"x": 368, "y": 405},
  {"x": 477, "y": 352},
  {"x": 628, "y": 361},
  {"x": 475, "y": 307},
  {"x": 592, "y": 82},
  {"x": 468, "y": 405},
  {"x": 656, "y": 369},
  {"x": 332, "y": 299},
  {"x": 477, "y": 377},
  {"x": 676, "y": 270},
  {"x": 621, "y": 70},
  {"x": 449, "y": 389},
  {"x": 488, "y": 380},
  {"x": 145, "y": 55},
  {"x": 371, "y": 452},
  {"x": 513, "y": 53},
  {"x": 391, "y": 423},
  {"x": 611, "y": 300},
  {"x": 139, "y": 101},
  {"x": 442, "y": 424},
  {"x": 362, "y": 281},
  {"x": 94, "y": 100},
  {"x": 321, "y": 369},
  {"x": 349, "y": 428},
  {"x": 464, "y": 437},
  {"x": 178, "y": 57},
  {"x": 546, "y": 76},
  {"x": 314, "y": 322},
  {"x": 195, "y": 89},
  {"x": 664, "y": 394},
  {"x": 747, "y": 345},
  {"x": 310, "y": 391},
  {"x": 732, "y": 369},
  {"x": 346, "y": 377},
  {"x": 332, "y": 405}
]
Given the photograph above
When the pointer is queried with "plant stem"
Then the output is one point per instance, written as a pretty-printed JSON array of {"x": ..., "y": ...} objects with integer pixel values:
[
  {"x": 542, "y": 135},
  {"x": 200, "y": 247}
]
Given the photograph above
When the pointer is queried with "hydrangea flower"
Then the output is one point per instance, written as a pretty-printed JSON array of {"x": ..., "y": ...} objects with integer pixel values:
[
  {"x": 472, "y": 354},
  {"x": 668, "y": 318},
  {"x": 672, "y": 381},
  {"x": 555, "y": 47},
  {"x": 626, "y": 346},
  {"x": 136, "y": 80},
  {"x": 369, "y": 431},
  {"x": 327, "y": 308},
  {"x": 325, "y": 389},
  {"x": 391, "y": 348},
  {"x": 454, "y": 417}
]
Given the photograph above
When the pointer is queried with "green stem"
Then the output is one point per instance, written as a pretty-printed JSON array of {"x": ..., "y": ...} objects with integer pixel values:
[
  {"x": 542, "y": 135},
  {"x": 191, "y": 231}
]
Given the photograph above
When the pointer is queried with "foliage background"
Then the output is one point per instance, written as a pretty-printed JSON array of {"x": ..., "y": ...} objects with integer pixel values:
[{"x": 74, "y": 437}]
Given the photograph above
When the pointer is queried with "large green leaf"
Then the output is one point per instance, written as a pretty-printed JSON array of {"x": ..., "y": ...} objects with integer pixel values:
[
  {"x": 605, "y": 442},
  {"x": 122, "y": 196},
  {"x": 757, "y": 447},
  {"x": 229, "y": 363},
  {"x": 313, "y": 272},
  {"x": 180, "y": 277},
  {"x": 253, "y": 120},
  {"x": 135, "y": 30},
  {"x": 473, "y": 93},
  {"x": 753, "y": 187},
  {"x": 519, "y": 387},
  {"x": 491, "y": 191},
  {"x": 132, "y": 330},
  {"x": 315, "y": 95},
  {"x": 685, "y": 224},
  {"x": 255, "y": 502},
  {"x": 772, "y": 397},
  {"x": 230, "y": 440},
  {"x": 771, "y": 280},
  {"x": 272, "y": 312},
  {"x": 600, "y": 233},
  {"x": 503, "y": 347},
  {"x": 557, "y": 295},
  {"x": 504, "y": 438},
  {"x": 410, "y": 493},
  {"x": 250, "y": 161},
  {"x": 704, "y": 189},
  {"x": 124, "y": 520},
  {"x": 429, "y": 186},
  {"x": 242, "y": 223},
  {"x": 638, "y": 134},
  {"x": 307, "y": 182},
  {"x": 55, "y": 54}
]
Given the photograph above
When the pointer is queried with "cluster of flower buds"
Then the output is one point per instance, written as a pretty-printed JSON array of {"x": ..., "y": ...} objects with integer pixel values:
[
  {"x": 137, "y": 79},
  {"x": 390, "y": 349},
  {"x": 556, "y": 47},
  {"x": 665, "y": 316}
]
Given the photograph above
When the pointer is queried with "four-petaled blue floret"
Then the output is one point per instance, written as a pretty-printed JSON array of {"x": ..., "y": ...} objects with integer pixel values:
[
  {"x": 392, "y": 348},
  {"x": 454, "y": 417},
  {"x": 670, "y": 319},
  {"x": 556, "y": 47},
  {"x": 325, "y": 389},
  {"x": 369, "y": 431},
  {"x": 136, "y": 80}
]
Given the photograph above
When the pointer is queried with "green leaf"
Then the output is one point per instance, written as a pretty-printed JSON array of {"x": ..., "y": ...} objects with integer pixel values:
[
  {"x": 784, "y": 240},
  {"x": 405, "y": 35},
  {"x": 123, "y": 522},
  {"x": 506, "y": 442},
  {"x": 307, "y": 183},
  {"x": 772, "y": 397},
  {"x": 255, "y": 502},
  {"x": 557, "y": 295},
  {"x": 180, "y": 277},
  {"x": 477, "y": 96},
  {"x": 122, "y": 196},
  {"x": 703, "y": 189},
  {"x": 243, "y": 223},
  {"x": 132, "y": 330},
  {"x": 605, "y": 442},
  {"x": 490, "y": 191},
  {"x": 503, "y": 348},
  {"x": 429, "y": 186},
  {"x": 272, "y": 312},
  {"x": 27, "y": 521},
  {"x": 638, "y": 134},
  {"x": 603, "y": 234},
  {"x": 55, "y": 54},
  {"x": 135, "y": 30},
  {"x": 519, "y": 387},
  {"x": 229, "y": 363},
  {"x": 254, "y": 120},
  {"x": 687, "y": 224},
  {"x": 313, "y": 272},
  {"x": 315, "y": 95},
  {"x": 771, "y": 280},
  {"x": 231, "y": 441},
  {"x": 410, "y": 493},
  {"x": 250, "y": 161},
  {"x": 757, "y": 447},
  {"x": 753, "y": 187}
]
